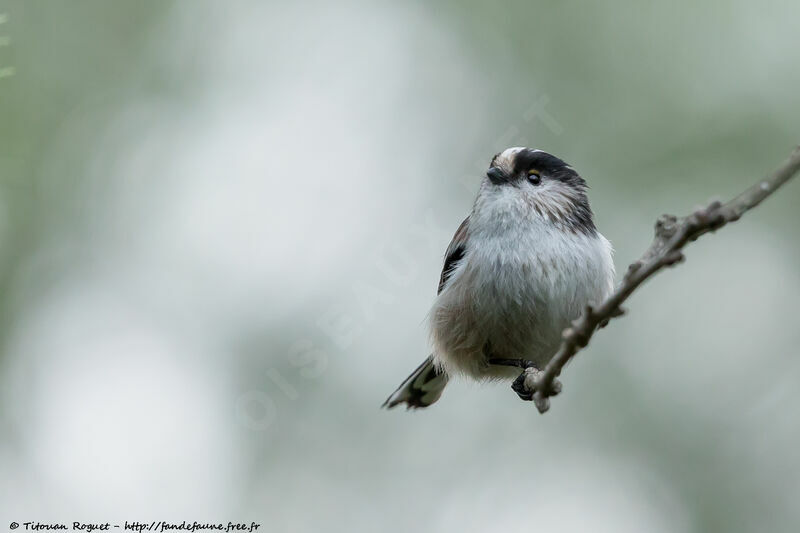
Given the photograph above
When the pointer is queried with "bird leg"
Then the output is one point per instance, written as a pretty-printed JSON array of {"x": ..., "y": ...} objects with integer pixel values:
[
  {"x": 519, "y": 363},
  {"x": 524, "y": 385},
  {"x": 524, "y": 392}
]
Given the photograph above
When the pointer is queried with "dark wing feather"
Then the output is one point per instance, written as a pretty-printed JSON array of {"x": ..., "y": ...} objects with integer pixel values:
[
  {"x": 422, "y": 388},
  {"x": 454, "y": 254},
  {"x": 425, "y": 385}
]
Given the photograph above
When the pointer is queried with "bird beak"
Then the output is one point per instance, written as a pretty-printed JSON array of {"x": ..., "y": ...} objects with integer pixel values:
[{"x": 497, "y": 176}]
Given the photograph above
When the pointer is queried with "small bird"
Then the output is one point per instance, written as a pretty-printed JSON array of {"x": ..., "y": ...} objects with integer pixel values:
[{"x": 520, "y": 268}]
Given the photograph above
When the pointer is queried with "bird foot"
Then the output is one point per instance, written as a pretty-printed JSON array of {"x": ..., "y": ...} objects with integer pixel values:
[{"x": 525, "y": 387}]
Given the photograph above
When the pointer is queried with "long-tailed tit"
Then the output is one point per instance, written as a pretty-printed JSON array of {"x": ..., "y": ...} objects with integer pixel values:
[{"x": 520, "y": 268}]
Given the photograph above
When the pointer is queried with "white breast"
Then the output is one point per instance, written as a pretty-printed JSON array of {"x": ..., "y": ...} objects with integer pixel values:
[{"x": 521, "y": 282}]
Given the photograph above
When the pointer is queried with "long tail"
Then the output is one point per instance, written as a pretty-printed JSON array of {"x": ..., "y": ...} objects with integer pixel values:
[{"x": 422, "y": 388}]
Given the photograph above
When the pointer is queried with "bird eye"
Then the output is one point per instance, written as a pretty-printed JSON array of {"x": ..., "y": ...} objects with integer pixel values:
[{"x": 534, "y": 177}]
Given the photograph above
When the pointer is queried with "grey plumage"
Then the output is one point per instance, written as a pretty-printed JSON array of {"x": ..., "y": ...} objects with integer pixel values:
[{"x": 518, "y": 270}]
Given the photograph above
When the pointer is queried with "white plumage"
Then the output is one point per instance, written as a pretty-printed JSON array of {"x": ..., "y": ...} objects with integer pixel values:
[
  {"x": 520, "y": 283},
  {"x": 525, "y": 271}
]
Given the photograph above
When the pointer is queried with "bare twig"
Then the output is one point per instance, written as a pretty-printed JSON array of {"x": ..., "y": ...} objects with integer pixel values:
[{"x": 671, "y": 235}]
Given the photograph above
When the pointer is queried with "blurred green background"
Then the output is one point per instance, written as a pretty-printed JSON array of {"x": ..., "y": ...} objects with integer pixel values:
[{"x": 221, "y": 229}]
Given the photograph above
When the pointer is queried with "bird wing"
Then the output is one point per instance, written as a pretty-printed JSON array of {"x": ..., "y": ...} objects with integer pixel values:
[
  {"x": 454, "y": 254},
  {"x": 425, "y": 385}
]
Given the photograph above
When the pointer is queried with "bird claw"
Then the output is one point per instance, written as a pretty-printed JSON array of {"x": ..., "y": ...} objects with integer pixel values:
[
  {"x": 525, "y": 386},
  {"x": 519, "y": 387}
]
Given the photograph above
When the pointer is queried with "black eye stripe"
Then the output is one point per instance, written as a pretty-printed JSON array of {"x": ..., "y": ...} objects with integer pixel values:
[
  {"x": 530, "y": 159},
  {"x": 547, "y": 165}
]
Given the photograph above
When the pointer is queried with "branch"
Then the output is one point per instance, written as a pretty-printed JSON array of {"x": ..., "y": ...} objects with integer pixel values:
[{"x": 672, "y": 234}]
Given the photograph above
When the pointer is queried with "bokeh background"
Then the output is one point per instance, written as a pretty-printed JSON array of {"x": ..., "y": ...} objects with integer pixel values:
[{"x": 221, "y": 229}]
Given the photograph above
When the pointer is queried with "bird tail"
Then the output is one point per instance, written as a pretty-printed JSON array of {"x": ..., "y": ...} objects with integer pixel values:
[{"x": 422, "y": 388}]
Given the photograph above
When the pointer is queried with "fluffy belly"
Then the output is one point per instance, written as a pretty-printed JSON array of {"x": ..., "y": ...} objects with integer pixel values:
[
  {"x": 474, "y": 322},
  {"x": 513, "y": 309}
]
